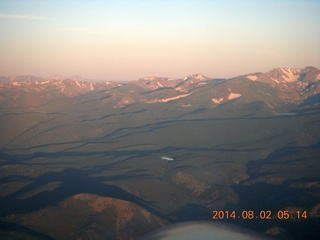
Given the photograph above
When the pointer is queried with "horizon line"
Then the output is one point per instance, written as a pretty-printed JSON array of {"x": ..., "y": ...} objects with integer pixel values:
[{"x": 28, "y": 17}]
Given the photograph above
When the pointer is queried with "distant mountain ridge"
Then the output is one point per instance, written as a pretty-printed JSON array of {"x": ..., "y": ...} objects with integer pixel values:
[
  {"x": 292, "y": 85},
  {"x": 29, "y": 77}
]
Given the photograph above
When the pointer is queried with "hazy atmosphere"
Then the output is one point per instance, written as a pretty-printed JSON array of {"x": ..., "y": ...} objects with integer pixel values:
[
  {"x": 159, "y": 119},
  {"x": 126, "y": 40}
]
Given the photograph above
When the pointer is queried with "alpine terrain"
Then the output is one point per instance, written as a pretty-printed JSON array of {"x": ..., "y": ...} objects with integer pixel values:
[{"x": 113, "y": 160}]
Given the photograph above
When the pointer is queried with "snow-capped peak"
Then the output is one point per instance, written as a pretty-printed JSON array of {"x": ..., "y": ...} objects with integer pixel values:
[
  {"x": 284, "y": 74},
  {"x": 196, "y": 76}
]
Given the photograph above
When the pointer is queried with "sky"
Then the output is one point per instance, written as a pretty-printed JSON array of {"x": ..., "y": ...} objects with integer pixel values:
[{"x": 131, "y": 39}]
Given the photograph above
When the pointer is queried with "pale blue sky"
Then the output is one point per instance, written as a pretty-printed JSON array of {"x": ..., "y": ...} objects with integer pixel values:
[{"x": 124, "y": 40}]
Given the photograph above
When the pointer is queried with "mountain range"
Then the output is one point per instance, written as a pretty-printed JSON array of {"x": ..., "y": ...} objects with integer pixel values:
[
  {"x": 92, "y": 154},
  {"x": 300, "y": 82}
]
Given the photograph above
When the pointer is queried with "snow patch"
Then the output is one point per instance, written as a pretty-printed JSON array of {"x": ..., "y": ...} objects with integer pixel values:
[
  {"x": 171, "y": 99},
  {"x": 159, "y": 84},
  {"x": 217, "y": 100},
  {"x": 181, "y": 89},
  {"x": 275, "y": 80},
  {"x": 252, "y": 77},
  {"x": 290, "y": 75},
  {"x": 199, "y": 77},
  {"x": 234, "y": 96},
  {"x": 284, "y": 75},
  {"x": 45, "y": 82}
]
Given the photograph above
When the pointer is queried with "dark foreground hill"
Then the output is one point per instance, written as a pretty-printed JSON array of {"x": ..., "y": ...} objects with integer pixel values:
[{"x": 83, "y": 160}]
